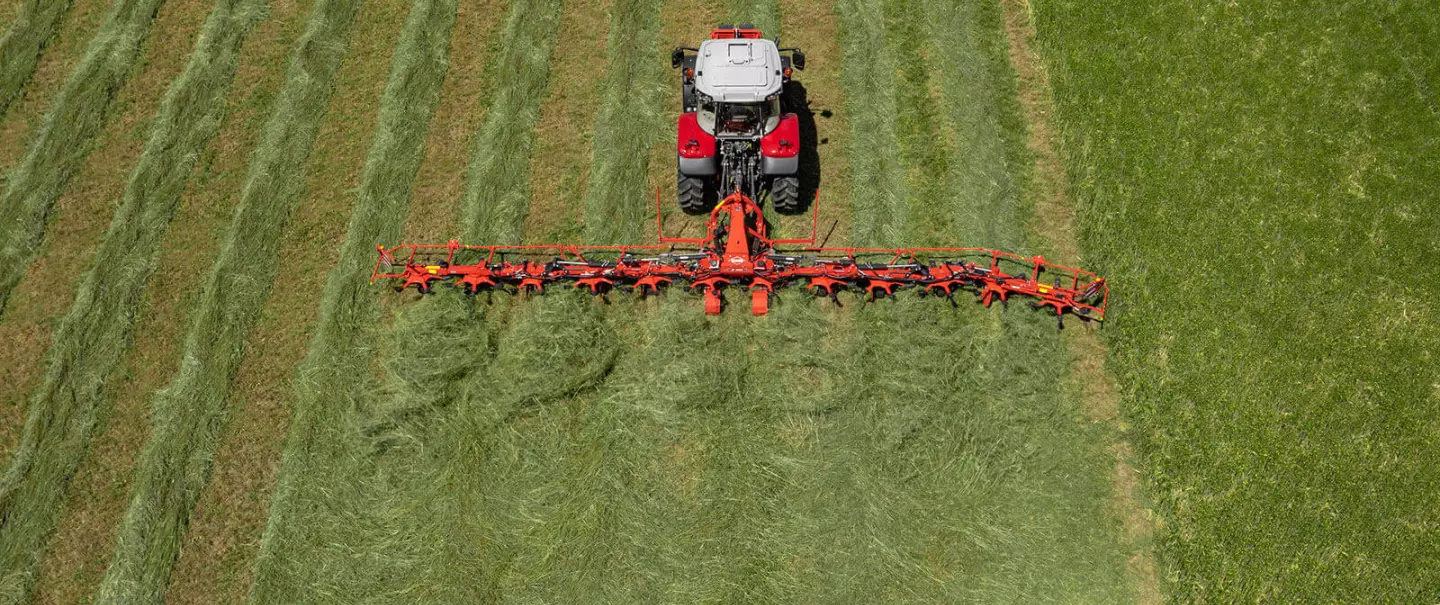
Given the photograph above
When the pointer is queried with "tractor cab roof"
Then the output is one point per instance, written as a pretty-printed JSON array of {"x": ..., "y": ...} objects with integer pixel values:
[{"x": 738, "y": 70}]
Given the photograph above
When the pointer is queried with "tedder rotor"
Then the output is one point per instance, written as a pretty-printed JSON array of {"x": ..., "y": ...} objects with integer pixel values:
[{"x": 737, "y": 251}]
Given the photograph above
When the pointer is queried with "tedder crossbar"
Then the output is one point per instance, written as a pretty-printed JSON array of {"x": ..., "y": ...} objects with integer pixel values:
[{"x": 738, "y": 252}]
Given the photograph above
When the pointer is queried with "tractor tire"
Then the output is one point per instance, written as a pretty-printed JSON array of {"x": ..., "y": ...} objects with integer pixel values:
[
  {"x": 785, "y": 195},
  {"x": 694, "y": 195}
]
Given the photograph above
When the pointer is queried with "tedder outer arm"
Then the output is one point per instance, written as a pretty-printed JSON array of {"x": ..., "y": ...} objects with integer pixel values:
[{"x": 738, "y": 252}]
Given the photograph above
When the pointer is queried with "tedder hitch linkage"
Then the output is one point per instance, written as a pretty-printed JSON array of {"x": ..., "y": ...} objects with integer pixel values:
[{"x": 737, "y": 251}]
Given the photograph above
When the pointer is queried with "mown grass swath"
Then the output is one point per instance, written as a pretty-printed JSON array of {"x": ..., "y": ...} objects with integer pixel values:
[
  {"x": 96, "y": 330},
  {"x": 327, "y": 386},
  {"x": 57, "y": 434},
  {"x": 943, "y": 465},
  {"x": 173, "y": 465},
  {"x": 878, "y": 184},
  {"x": 1260, "y": 189},
  {"x": 58, "y": 148},
  {"x": 375, "y": 442},
  {"x": 629, "y": 122},
  {"x": 23, "y": 43}
]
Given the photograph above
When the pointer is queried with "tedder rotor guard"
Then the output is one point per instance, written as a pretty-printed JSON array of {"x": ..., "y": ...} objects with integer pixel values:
[{"x": 746, "y": 256}]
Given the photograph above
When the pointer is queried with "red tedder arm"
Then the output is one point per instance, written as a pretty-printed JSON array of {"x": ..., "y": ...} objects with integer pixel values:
[{"x": 737, "y": 251}]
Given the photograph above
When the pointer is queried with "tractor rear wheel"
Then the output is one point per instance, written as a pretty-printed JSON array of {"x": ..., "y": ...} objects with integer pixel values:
[
  {"x": 694, "y": 195},
  {"x": 785, "y": 195}
]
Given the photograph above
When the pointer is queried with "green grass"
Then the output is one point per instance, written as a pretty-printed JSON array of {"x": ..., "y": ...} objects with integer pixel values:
[
  {"x": 96, "y": 331},
  {"x": 630, "y": 121},
  {"x": 1257, "y": 180},
  {"x": 187, "y": 413},
  {"x": 22, "y": 44},
  {"x": 390, "y": 535},
  {"x": 174, "y": 466},
  {"x": 71, "y": 123},
  {"x": 497, "y": 191},
  {"x": 327, "y": 392}
]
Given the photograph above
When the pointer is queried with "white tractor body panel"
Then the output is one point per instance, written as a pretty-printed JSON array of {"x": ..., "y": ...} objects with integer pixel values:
[{"x": 738, "y": 70}]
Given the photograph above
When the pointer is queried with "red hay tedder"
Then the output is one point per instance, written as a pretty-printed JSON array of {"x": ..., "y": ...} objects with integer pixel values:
[
  {"x": 736, "y": 135},
  {"x": 738, "y": 252}
]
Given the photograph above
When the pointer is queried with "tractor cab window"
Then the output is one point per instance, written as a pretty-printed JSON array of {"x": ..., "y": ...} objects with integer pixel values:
[{"x": 740, "y": 119}]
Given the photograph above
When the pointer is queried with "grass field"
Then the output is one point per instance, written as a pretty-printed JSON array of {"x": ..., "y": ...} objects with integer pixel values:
[
  {"x": 219, "y": 408},
  {"x": 1259, "y": 182}
]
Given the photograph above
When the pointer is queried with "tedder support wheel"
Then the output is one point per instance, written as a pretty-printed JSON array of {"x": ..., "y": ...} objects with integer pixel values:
[
  {"x": 694, "y": 195},
  {"x": 785, "y": 194}
]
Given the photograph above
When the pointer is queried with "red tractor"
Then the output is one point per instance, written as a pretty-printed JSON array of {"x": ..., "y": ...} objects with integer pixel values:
[{"x": 735, "y": 134}]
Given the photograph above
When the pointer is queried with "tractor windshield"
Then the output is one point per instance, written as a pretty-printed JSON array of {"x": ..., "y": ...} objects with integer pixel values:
[{"x": 739, "y": 119}]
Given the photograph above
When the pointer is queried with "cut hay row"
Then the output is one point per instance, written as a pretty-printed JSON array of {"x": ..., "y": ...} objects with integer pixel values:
[
  {"x": 877, "y": 195},
  {"x": 96, "y": 330},
  {"x": 914, "y": 475},
  {"x": 363, "y": 450},
  {"x": 56, "y": 151},
  {"x": 326, "y": 389},
  {"x": 497, "y": 194},
  {"x": 969, "y": 62},
  {"x": 560, "y": 163},
  {"x": 22, "y": 44},
  {"x": 630, "y": 121},
  {"x": 1265, "y": 207},
  {"x": 169, "y": 474},
  {"x": 236, "y": 283},
  {"x": 763, "y": 14}
]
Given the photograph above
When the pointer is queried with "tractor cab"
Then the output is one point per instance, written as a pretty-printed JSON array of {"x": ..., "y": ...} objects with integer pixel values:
[{"x": 734, "y": 132}]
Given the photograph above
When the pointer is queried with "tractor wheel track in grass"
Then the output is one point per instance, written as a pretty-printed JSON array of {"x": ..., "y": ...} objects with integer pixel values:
[
  {"x": 60, "y": 146},
  {"x": 23, "y": 42},
  {"x": 96, "y": 331},
  {"x": 1054, "y": 221},
  {"x": 426, "y": 372}
]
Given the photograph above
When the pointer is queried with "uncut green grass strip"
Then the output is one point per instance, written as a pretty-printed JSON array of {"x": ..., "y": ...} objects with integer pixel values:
[
  {"x": 96, "y": 330},
  {"x": 390, "y": 510},
  {"x": 22, "y": 44},
  {"x": 630, "y": 121},
  {"x": 326, "y": 386},
  {"x": 1288, "y": 434},
  {"x": 57, "y": 150}
]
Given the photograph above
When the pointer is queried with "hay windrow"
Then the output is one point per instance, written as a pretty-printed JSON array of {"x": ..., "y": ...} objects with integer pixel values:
[
  {"x": 97, "y": 328},
  {"x": 22, "y": 44},
  {"x": 73, "y": 120}
]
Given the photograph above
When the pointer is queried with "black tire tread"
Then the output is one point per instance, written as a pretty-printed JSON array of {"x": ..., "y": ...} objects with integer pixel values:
[
  {"x": 785, "y": 195},
  {"x": 692, "y": 195}
]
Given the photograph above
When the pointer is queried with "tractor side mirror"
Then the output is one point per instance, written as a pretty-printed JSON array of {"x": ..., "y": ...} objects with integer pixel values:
[
  {"x": 677, "y": 57},
  {"x": 797, "y": 58}
]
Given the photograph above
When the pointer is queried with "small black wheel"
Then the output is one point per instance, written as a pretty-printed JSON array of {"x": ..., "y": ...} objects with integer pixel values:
[
  {"x": 694, "y": 194},
  {"x": 785, "y": 195}
]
